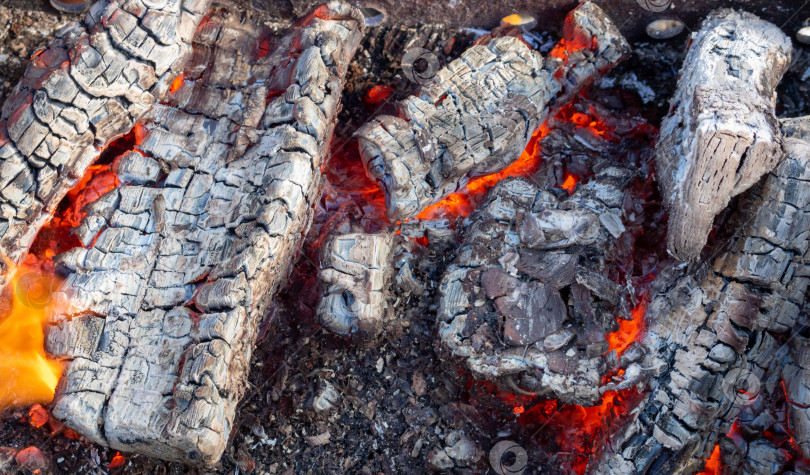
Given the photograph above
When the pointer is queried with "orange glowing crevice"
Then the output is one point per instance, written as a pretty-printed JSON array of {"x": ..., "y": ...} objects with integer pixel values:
[
  {"x": 176, "y": 84},
  {"x": 629, "y": 330},
  {"x": 96, "y": 182},
  {"x": 140, "y": 133},
  {"x": 464, "y": 201},
  {"x": 570, "y": 183},
  {"x": 713, "y": 465},
  {"x": 27, "y": 374}
]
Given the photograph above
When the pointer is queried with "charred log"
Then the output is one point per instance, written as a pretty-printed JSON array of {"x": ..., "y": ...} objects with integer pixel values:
[
  {"x": 796, "y": 375},
  {"x": 527, "y": 303},
  {"x": 479, "y": 113},
  {"x": 712, "y": 330},
  {"x": 355, "y": 274},
  {"x": 160, "y": 310},
  {"x": 90, "y": 85},
  {"x": 721, "y": 135}
]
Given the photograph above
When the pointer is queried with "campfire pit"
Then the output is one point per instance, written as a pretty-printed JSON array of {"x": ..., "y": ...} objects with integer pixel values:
[{"x": 249, "y": 247}]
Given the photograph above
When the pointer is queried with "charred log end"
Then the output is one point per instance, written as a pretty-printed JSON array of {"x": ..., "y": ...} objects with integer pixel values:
[{"x": 708, "y": 152}]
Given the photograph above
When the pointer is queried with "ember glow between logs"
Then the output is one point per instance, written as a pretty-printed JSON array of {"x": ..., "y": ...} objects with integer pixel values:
[
  {"x": 629, "y": 330},
  {"x": 464, "y": 201}
]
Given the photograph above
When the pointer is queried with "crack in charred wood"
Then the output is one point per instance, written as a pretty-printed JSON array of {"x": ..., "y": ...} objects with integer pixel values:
[
  {"x": 92, "y": 83},
  {"x": 721, "y": 134},
  {"x": 480, "y": 111},
  {"x": 184, "y": 257},
  {"x": 712, "y": 337}
]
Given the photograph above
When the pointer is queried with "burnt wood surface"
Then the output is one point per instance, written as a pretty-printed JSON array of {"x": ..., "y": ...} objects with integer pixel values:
[
  {"x": 91, "y": 84},
  {"x": 501, "y": 308},
  {"x": 721, "y": 134},
  {"x": 713, "y": 328},
  {"x": 355, "y": 273},
  {"x": 159, "y": 312},
  {"x": 478, "y": 114}
]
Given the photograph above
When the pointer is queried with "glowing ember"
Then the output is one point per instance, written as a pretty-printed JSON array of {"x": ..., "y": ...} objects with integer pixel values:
[
  {"x": 27, "y": 375},
  {"x": 713, "y": 466},
  {"x": 96, "y": 182},
  {"x": 464, "y": 201},
  {"x": 570, "y": 184},
  {"x": 378, "y": 94},
  {"x": 38, "y": 416},
  {"x": 176, "y": 84},
  {"x": 140, "y": 133},
  {"x": 629, "y": 330},
  {"x": 578, "y": 432},
  {"x": 117, "y": 461}
]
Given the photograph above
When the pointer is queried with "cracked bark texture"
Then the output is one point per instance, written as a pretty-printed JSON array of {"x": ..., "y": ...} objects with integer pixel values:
[
  {"x": 91, "y": 84},
  {"x": 480, "y": 111},
  {"x": 721, "y": 135},
  {"x": 355, "y": 274},
  {"x": 713, "y": 330},
  {"x": 502, "y": 309},
  {"x": 159, "y": 311}
]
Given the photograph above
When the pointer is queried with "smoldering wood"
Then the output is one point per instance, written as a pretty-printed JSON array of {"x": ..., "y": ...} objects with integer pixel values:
[
  {"x": 355, "y": 273},
  {"x": 159, "y": 312},
  {"x": 479, "y": 112},
  {"x": 796, "y": 375},
  {"x": 90, "y": 85},
  {"x": 712, "y": 329},
  {"x": 501, "y": 311},
  {"x": 721, "y": 135}
]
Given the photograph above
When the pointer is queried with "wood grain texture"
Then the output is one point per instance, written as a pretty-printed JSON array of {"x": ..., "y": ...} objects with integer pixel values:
[
  {"x": 721, "y": 135},
  {"x": 90, "y": 85},
  {"x": 480, "y": 111},
  {"x": 160, "y": 309},
  {"x": 713, "y": 328}
]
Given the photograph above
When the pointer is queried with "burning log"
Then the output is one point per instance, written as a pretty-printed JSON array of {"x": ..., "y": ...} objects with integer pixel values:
[
  {"x": 721, "y": 135},
  {"x": 502, "y": 309},
  {"x": 797, "y": 390},
  {"x": 356, "y": 273},
  {"x": 479, "y": 113},
  {"x": 182, "y": 259},
  {"x": 711, "y": 329},
  {"x": 90, "y": 85}
]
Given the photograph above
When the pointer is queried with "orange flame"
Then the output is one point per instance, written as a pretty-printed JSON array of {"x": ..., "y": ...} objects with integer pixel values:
[
  {"x": 27, "y": 375},
  {"x": 713, "y": 466},
  {"x": 629, "y": 330}
]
